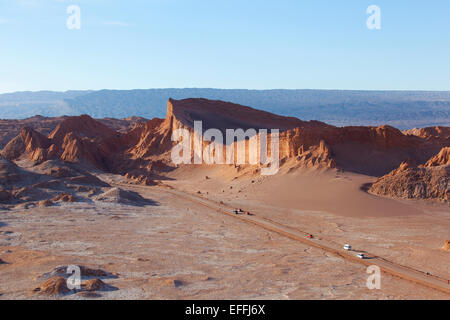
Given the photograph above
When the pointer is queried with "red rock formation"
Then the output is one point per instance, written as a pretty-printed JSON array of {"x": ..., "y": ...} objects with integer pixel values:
[
  {"x": 31, "y": 142},
  {"x": 441, "y": 159},
  {"x": 55, "y": 286},
  {"x": 83, "y": 125},
  {"x": 429, "y": 181},
  {"x": 75, "y": 139},
  {"x": 64, "y": 197},
  {"x": 367, "y": 150},
  {"x": 225, "y": 115},
  {"x": 152, "y": 138},
  {"x": 438, "y": 133},
  {"x": 145, "y": 149},
  {"x": 94, "y": 285},
  {"x": 316, "y": 157},
  {"x": 36, "y": 144}
]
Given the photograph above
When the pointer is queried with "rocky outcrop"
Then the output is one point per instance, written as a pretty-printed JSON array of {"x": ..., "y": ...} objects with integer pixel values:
[
  {"x": 367, "y": 150},
  {"x": 45, "y": 184},
  {"x": 64, "y": 197},
  {"x": 117, "y": 195},
  {"x": 432, "y": 133},
  {"x": 86, "y": 273},
  {"x": 56, "y": 283},
  {"x": 75, "y": 139},
  {"x": 316, "y": 157},
  {"x": 152, "y": 138},
  {"x": 55, "y": 286},
  {"x": 441, "y": 159},
  {"x": 14, "y": 148},
  {"x": 29, "y": 141},
  {"x": 428, "y": 181}
]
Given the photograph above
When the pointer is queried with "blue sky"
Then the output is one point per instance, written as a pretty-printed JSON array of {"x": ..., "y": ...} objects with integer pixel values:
[{"x": 224, "y": 44}]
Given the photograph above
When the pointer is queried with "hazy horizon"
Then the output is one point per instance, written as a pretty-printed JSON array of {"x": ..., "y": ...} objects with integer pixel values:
[
  {"x": 401, "y": 109},
  {"x": 217, "y": 88}
]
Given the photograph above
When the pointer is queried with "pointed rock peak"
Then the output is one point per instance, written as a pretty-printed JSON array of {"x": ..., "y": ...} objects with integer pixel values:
[
  {"x": 27, "y": 131},
  {"x": 388, "y": 131},
  {"x": 170, "y": 109},
  {"x": 33, "y": 139},
  {"x": 441, "y": 159},
  {"x": 404, "y": 166},
  {"x": 83, "y": 126}
]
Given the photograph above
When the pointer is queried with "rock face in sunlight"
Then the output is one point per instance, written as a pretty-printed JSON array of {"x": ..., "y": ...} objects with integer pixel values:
[{"x": 313, "y": 144}]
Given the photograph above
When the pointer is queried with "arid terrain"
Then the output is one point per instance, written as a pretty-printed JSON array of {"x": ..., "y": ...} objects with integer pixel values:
[{"x": 106, "y": 195}]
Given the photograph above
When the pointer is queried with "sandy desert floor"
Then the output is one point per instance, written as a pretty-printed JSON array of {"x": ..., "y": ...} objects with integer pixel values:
[{"x": 214, "y": 256}]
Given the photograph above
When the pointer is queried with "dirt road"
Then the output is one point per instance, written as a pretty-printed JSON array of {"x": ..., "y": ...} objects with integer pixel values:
[{"x": 404, "y": 272}]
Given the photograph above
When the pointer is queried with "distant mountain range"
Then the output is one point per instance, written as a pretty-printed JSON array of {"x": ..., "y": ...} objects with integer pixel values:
[{"x": 401, "y": 109}]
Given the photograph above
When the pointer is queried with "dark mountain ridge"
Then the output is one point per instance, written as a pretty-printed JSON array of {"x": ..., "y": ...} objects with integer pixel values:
[{"x": 401, "y": 109}]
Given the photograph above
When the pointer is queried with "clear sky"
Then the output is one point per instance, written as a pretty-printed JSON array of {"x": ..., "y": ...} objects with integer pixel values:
[{"x": 321, "y": 44}]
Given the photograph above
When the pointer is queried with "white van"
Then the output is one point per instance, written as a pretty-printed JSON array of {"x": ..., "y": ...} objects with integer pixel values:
[
  {"x": 347, "y": 247},
  {"x": 361, "y": 256}
]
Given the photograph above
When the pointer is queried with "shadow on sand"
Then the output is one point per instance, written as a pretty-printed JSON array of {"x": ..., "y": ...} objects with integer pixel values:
[{"x": 366, "y": 187}]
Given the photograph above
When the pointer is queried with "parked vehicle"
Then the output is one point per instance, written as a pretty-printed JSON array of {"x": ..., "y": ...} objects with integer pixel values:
[
  {"x": 348, "y": 247},
  {"x": 361, "y": 256},
  {"x": 240, "y": 211}
]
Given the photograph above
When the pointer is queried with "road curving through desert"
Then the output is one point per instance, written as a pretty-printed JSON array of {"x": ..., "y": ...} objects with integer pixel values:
[{"x": 392, "y": 268}]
